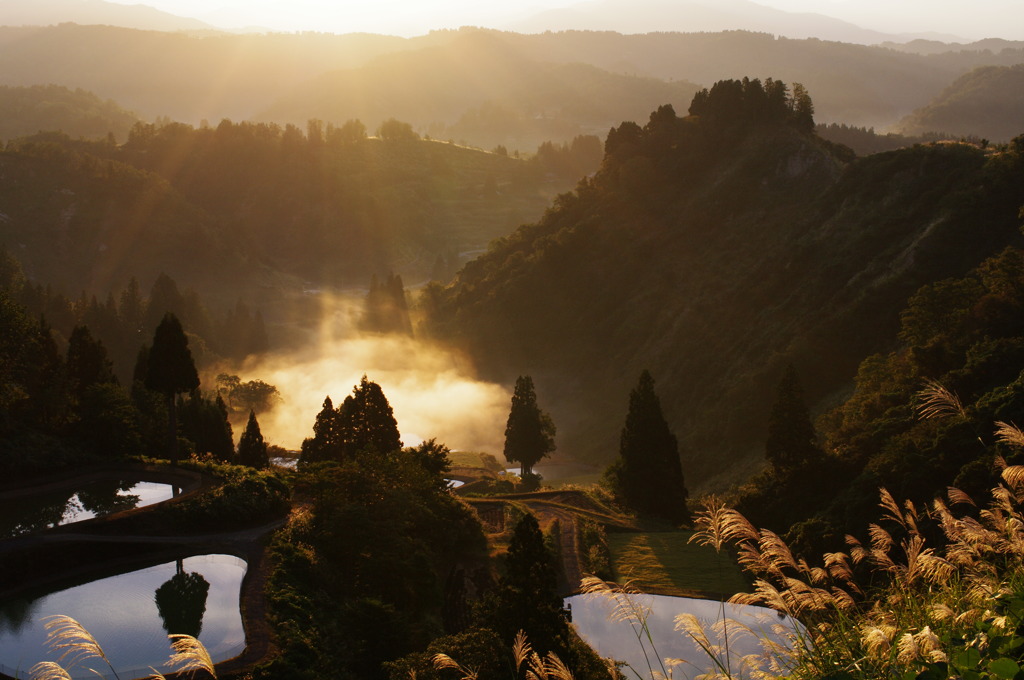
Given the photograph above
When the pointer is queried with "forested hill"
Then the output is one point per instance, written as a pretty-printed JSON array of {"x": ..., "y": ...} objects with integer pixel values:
[
  {"x": 480, "y": 86},
  {"x": 469, "y": 84},
  {"x": 714, "y": 249},
  {"x": 987, "y": 102},
  {"x": 28, "y": 110},
  {"x": 239, "y": 207}
]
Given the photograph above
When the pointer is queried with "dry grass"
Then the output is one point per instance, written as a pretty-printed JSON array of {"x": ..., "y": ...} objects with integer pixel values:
[
  {"x": 76, "y": 645},
  {"x": 930, "y": 595},
  {"x": 528, "y": 663},
  {"x": 935, "y": 401}
]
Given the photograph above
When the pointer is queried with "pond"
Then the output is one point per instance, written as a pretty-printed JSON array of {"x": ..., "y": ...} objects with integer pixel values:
[
  {"x": 130, "y": 616},
  {"x": 28, "y": 513},
  {"x": 32, "y": 512},
  {"x": 618, "y": 639}
]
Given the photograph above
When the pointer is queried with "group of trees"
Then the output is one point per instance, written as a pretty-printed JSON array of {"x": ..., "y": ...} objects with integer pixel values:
[
  {"x": 962, "y": 349},
  {"x": 128, "y": 314},
  {"x": 364, "y": 422},
  {"x": 57, "y": 408},
  {"x": 750, "y": 101},
  {"x": 647, "y": 476},
  {"x": 385, "y": 309}
]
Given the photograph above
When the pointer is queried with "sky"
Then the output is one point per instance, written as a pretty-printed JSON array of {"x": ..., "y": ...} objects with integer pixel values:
[{"x": 970, "y": 20}]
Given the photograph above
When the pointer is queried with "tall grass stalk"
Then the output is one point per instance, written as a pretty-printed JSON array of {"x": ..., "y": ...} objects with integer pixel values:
[
  {"x": 76, "y": 645},
  {"x": 923, "y": 605}
]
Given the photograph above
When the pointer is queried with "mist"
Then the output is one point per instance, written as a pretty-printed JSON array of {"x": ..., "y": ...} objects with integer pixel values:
[{"x": 432, "y": 390}]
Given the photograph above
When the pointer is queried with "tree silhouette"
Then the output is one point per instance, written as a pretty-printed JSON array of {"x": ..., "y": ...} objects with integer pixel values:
[
  {"x": 529, "y": 432},
  {"x": 791, "y": 442},
  {"x": 648, "y": 475},
  {"x": 252, "y": 449},
  {"x": 527, "y": 597},
  {"x": 170, "y": 371},
  {"x": 367, "y": 421}
]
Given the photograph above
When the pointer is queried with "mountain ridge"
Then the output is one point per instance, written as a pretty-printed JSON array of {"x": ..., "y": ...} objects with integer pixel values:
[{"x": 715, "y": 263}]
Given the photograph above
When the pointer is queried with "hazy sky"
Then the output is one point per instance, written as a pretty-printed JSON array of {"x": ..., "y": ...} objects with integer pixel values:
[{"x": 973, "y": 20}]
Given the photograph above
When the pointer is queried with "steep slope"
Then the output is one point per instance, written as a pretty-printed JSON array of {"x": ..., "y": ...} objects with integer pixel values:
[
  {"x": 713, "y": 250},
  {"x": 987, "y": 103}
]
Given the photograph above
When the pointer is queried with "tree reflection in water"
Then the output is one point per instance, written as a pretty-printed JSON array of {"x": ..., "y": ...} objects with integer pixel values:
[
  {"x": 181, "y": 602},
  {"x": 104, "y": 498}
]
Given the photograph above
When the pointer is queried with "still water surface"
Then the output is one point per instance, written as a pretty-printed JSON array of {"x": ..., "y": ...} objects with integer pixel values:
[
  {"x": 618, "y": 639},
  {"x": 129, "y": 615},
  {"x": 37, "y": 512}
]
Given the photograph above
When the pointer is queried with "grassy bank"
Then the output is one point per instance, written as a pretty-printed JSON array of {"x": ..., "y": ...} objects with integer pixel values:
[{"x": 664, "y": 563}]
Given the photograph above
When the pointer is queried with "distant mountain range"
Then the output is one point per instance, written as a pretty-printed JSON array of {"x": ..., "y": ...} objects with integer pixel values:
[
  {"x": 694, "y": 16},
  {"x": 50, "y": 12},
  {"x": 623, "y": 16}
]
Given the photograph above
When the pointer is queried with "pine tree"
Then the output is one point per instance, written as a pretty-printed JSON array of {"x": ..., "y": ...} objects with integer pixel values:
[
  {"x": 170, "y": 371},
  {"x": 325, "y": 442},
  {"x": 791, "y": 442},
  {"x": 648, "y": 475},
  {"x": 366, "y": 422},
  {"x": 529, "y": 432},
  {"x": 363, "y": 422},
  {"x": 87, "y": 362},
  {"x": 252, "y": 450},
  {"x": 527, "y": 597}
]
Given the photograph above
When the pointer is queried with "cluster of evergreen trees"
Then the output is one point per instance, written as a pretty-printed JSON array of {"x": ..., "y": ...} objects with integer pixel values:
[
  {"x": 363, "y": 422},
  {"x": 62, "y": 407},
  {"x": 385, "y": 309},
  {"x": 125, "y": 318}
]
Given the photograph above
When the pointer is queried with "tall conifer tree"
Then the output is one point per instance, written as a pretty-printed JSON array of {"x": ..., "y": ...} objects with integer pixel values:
[
  {"x": 648, "y": 475},
  {"x": 792, "y": 442},
  {"x": 170, "y": 371},
  {"x": 529, "y": 432},
  {"x": 252, "y": 449}
]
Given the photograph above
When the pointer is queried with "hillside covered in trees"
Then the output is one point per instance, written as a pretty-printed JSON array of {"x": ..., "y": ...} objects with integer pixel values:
[
  {"x": 714, "y": 249},
  {"x": 246, "y": 207},
  {"x": 28, "y": 110},
  {"x": 472, "y": 85},
  {"x": 988, "y": 102}
]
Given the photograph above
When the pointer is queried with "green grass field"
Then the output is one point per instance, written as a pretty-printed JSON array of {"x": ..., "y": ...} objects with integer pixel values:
[{"x": 663, "y": 563}]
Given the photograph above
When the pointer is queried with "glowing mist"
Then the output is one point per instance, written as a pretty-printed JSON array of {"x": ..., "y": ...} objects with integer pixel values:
[{"x": 430, "y": 389}]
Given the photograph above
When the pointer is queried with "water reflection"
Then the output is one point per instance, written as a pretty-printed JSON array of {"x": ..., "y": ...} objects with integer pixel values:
[
  {"x": 123, "y": 615},
  {"x": 40, "y": 511},
  {"x": 754, "y": 633},
  {"x": 181, "y": 602}
]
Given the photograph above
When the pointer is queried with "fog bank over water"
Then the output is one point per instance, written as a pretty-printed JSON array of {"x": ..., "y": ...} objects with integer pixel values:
[{"x": 432, "y": 390}]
